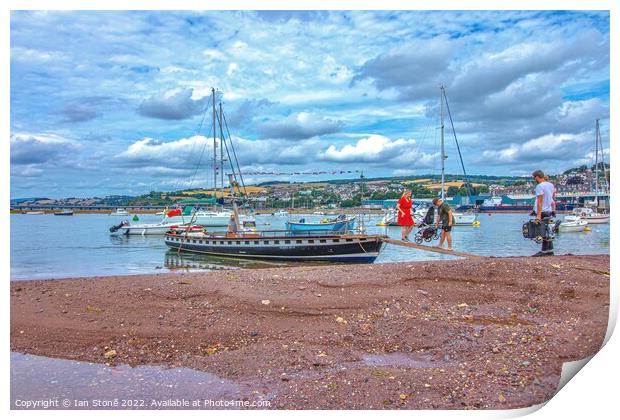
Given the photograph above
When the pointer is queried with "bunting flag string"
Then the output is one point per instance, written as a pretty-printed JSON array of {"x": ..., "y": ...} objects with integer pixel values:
[{"x": 259, "y": 173}]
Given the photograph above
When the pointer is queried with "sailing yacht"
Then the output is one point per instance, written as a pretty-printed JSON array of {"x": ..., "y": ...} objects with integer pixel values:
[
  {"x": 590, "y": 213},
  {"x": 190, "y": 216},
  {"x": 460, "y": 219}
]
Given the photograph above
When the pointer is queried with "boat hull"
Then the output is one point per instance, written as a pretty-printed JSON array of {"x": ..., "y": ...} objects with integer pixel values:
[
  {"x": 145, "y": 229},
  {"x": 596, "y": 220},
  {"x": 206, "y": 219},
  {"x": 340, "y": 248},
  {"x": 572, "y": 227},
  {"x": 464, "y": 219}
]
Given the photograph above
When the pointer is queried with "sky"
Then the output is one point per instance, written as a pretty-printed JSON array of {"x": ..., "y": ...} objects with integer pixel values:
[{"x": 106, "y": 102}]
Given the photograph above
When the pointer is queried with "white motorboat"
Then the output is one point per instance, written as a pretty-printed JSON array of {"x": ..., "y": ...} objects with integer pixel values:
[
  {"x": 572, "y": 224},
  {"x": 464, "y": 219},
  {"x": 281, "y": 213},
  {"x": 161, "y": 228},
  {"x": 35, "y": 212},
  {"x": 119, "y": 212},
  {"x": 390, "y": 218},
  {"x": 206, "y": 218},
  {"x": 590, "y": 215}
]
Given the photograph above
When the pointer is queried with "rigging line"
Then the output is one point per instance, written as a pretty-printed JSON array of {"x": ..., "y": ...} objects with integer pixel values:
[
  {"x": 232, "y": 146},
  {"x": 229, "y": 158},
  {"x": 192, "y": 178},
  {"x": 204, "y": 116},
  {"x": 467, "y": 186}
]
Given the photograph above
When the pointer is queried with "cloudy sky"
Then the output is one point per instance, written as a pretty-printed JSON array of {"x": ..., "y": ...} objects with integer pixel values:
[{"x": 112, "y": 102}]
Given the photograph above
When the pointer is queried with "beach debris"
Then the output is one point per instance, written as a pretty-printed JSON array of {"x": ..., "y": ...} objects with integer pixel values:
[
  {"x": 462, "y": 305},
  {"x": 501, "y": 398},
  {"x": 558, "y": 266},
  {"x": 341, "y": 320},
  {"x": 211, "y": 350},
  {"x": 265, "y": 301},
  {"x": 403, "y": 397},
  {"x": 110, "y": 354},
  {"x": 332, "y": 385},
  {"x": 90, "y": 308},
  {"x": 422, "y": 292}
]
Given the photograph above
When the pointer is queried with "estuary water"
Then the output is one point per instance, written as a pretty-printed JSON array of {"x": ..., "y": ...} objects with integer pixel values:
[{"x": 48, "y": 246}]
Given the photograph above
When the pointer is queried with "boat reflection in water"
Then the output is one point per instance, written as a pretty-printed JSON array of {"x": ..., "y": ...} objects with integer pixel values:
[{"x": 185, "y": 261}]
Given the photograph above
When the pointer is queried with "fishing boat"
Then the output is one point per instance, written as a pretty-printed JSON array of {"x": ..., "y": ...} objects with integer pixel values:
[
  {"x": 572, "y": 224},
  {"x": 119, "y": 212},
  {"x": 280, "y": 245},
  {"x": 64, "y": 212},
  {"x": 310, "y": 245},
  {"x": 341, "y": 223}
]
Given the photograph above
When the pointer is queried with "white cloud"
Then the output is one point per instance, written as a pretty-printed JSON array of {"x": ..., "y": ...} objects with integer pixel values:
[
  {"x": 302, "y": 125},
  {"x": 548, "y": 147},
  {"x": 380, "y": 150}
]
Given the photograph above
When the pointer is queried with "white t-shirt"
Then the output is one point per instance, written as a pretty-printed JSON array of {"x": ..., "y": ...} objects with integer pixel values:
[{"x": 545, "y": 189}]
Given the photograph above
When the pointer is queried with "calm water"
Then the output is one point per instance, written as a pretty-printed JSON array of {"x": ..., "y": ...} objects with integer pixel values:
[
  {"x": 48, "y": 246},
  {"x": 81, "y": 385}
]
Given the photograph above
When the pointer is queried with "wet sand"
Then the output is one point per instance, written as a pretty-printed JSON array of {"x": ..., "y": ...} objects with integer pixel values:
[{"x": 479, "y": 333}]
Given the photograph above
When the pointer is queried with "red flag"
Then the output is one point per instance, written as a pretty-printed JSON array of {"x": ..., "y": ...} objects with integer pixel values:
[{"x": 175, "y": 212}]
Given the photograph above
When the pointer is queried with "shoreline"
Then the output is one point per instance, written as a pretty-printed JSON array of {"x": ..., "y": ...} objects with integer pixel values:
[{"x": 480, "y": 333}]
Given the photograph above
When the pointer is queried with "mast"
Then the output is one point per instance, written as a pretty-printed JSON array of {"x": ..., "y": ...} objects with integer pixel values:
[
  {"x": 214, "y": 148},
  {"x": 443, "y": 153},
  {"x": 596, "y": 140},
  {"x": 222, "y": 150}
]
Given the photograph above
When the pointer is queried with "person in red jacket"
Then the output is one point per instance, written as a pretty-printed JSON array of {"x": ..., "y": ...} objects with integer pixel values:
[{"x": 404, "y": 218}]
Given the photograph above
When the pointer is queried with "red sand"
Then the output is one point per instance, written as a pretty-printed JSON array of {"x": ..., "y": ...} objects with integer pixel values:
[{"x": 480, "y": 333}]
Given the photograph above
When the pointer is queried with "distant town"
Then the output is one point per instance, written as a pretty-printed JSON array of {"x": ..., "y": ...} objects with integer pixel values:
[{"x": 337, "y": 193}]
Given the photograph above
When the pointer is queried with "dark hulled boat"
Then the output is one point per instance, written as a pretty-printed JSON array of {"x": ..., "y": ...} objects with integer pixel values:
[{"x": 281, "y": 245}]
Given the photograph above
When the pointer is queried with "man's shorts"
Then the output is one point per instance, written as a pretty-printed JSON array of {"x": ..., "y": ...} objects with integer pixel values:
[{"x": 446, "y": 228}]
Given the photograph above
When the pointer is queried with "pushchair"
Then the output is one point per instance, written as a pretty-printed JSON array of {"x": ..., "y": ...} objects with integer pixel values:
[{"x": 426, "y": 230}]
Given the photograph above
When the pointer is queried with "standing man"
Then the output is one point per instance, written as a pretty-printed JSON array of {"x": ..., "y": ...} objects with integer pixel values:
[
  {"x": 543, "y": 208},
  {"x": 446, "y": 218}
]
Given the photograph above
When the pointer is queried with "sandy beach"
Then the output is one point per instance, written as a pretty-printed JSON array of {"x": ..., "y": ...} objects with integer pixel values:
[{"x": 480, "y": 333}]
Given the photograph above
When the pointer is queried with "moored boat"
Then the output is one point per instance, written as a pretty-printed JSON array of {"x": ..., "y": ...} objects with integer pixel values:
[
  {"x": 572, "y": 224},
  {"x": 119, "y": 212},
  {"x": 464, "y": 219},
  {"x": 280, "y": 245},
  {"x": 590, "y": 215},
  {"x": 340, "y": 224},
  {"x": 64, "y": 212}
]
